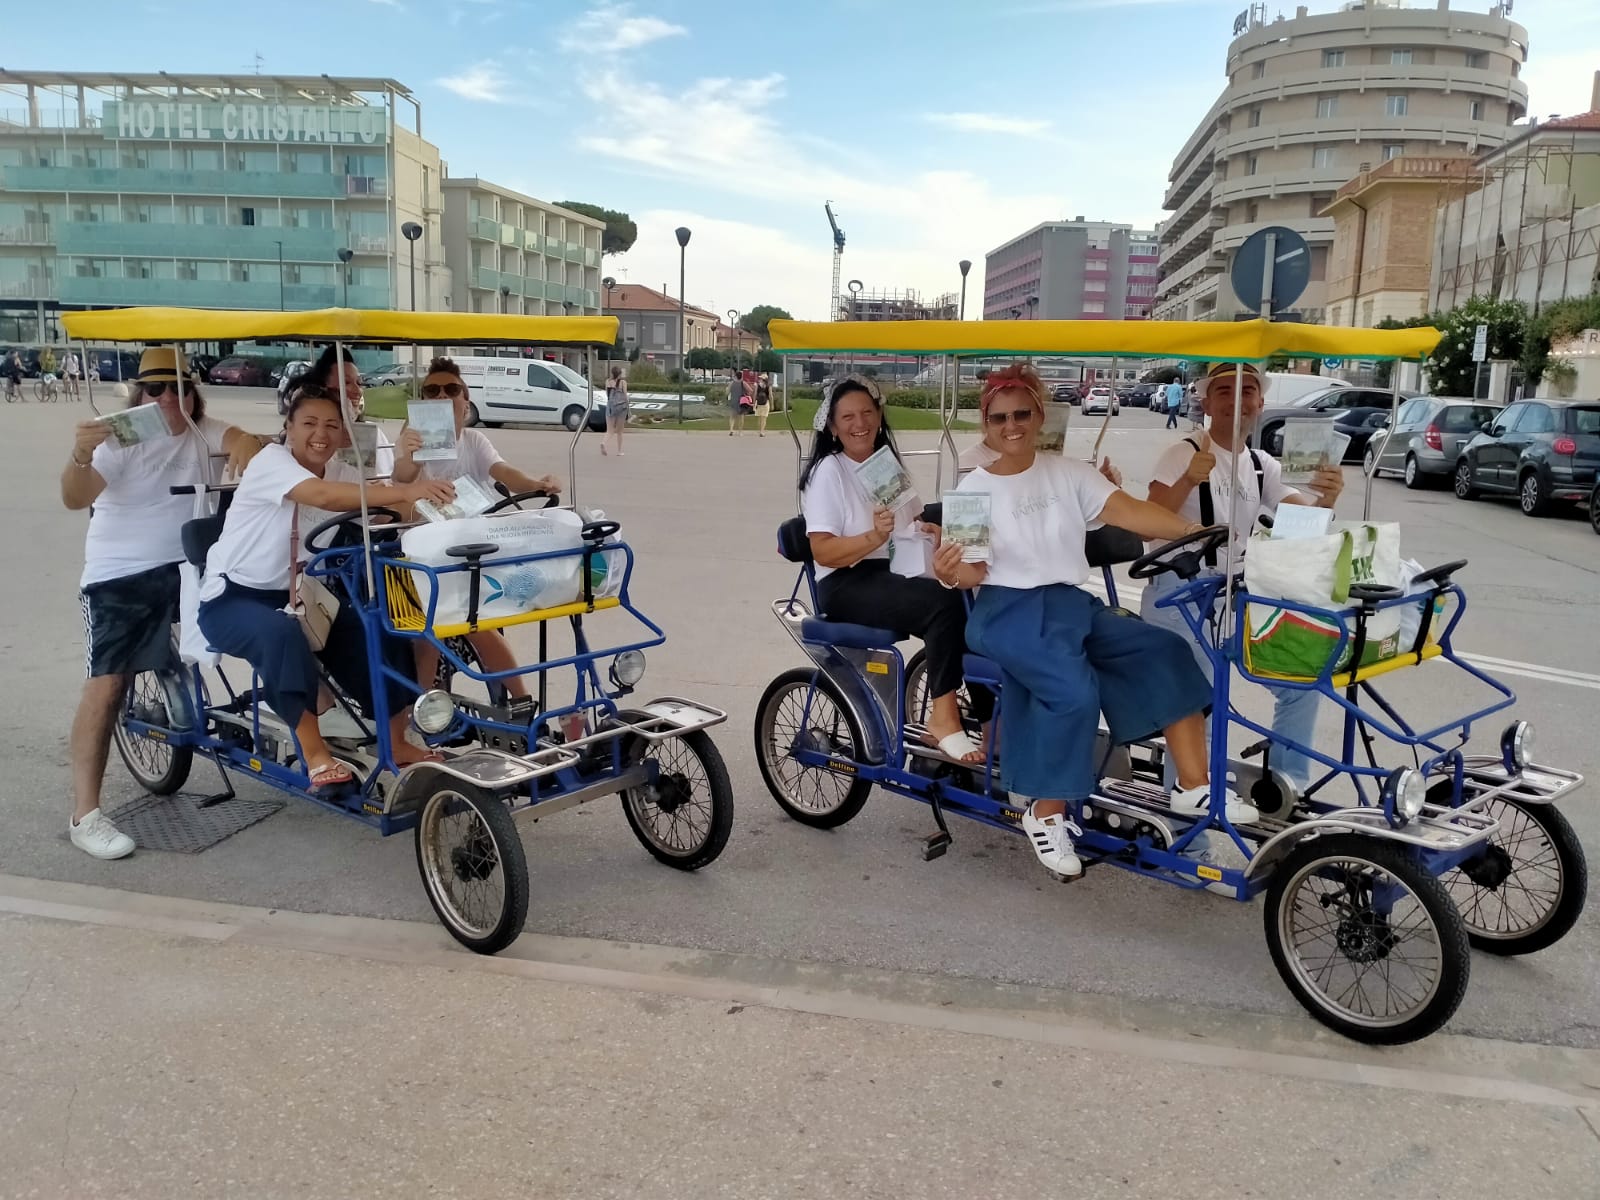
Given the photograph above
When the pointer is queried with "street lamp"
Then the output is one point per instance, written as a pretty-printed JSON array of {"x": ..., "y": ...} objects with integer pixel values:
[
  {"x": 1033, "y": 303},
  {"x": 682, "y": 234},
  {"x": 608, "y": 283},
  {"x": 345, "y": 255},
  {"x": 505, "y": 298},
  {"x": 966, "y": 265},
  {"x": 281, "y": 305},
  {"x": 411, "y": 231},
  {"x": 1016, "y": 314},
  {"x": 733, "y": 336}
]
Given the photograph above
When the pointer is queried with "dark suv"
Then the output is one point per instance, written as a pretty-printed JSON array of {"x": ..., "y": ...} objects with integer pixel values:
[
  {"x": 1348, "y": 405},
  {"x": 1540, "y": 451}
]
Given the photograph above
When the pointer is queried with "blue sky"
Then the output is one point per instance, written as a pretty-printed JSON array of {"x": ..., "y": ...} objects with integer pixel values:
[{"x": 938, "y": 128}]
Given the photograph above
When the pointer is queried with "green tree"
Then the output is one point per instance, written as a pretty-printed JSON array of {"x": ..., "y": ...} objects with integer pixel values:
[
  {"x": 704, "y": 358},
  {"x": 1556, "y": 323},
  {"x": 770, "y": 362},
  {"x": 1451, "y": 371},
  {"x": 620, "y": 232},
  {"x": 755, "y": 321}
]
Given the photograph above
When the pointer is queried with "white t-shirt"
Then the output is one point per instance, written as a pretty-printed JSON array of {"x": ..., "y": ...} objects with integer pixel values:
[
  {"x": 340, "y": 471},
  {"x": 1038, "y": 519},
  {"x": 836, "y": 502},
  {"x": 475, "y": 458},
  {"x": 1254, "y": 499},
  {"x": 253, "y": 550},
  {"x": 137, "y": 522}
]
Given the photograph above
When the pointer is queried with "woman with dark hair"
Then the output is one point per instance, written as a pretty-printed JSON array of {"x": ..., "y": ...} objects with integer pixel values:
[
  {"x": 251, "y": 568},
  {"x": 616, "y": 409},
  {"x": 129, "y": 588},
  {"x": 850, "y": 545},
  {"x": 332, "y": 365}
]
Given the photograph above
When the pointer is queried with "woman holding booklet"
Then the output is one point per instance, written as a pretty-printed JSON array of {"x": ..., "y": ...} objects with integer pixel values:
[
  {"x": 436, "y": 444},
  {"x": 1197, "y": 478},
  {"x": 1064, "y": 656}
]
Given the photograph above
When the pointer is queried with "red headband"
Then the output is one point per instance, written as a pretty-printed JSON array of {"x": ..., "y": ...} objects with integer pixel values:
[{"x": 994, "y": 385}]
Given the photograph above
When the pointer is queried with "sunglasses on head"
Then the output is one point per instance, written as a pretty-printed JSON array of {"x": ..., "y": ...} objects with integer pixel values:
[
  {"x": 434, "y": 390},
  {"x": 1022, "y": 416},
  {"x": 154, "y": 390}
]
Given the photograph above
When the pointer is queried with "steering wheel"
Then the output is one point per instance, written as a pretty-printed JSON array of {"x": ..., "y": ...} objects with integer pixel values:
[
  {"x": 1187, "y": 564},
  {"x": 345, "y": 520},
  {"x": 549, "y": 498},
  {"x": 1440, "y": 574}
]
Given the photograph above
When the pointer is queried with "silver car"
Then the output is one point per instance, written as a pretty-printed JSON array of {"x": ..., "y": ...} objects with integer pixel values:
[{"x": 1428, "y": 435}]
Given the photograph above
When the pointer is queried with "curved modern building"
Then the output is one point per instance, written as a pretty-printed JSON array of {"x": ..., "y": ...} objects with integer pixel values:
[{"x": 1312, "y": 101}]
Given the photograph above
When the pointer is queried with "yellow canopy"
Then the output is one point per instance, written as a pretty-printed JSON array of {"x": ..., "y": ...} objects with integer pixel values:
[
  {"x": 1216, "y": 341},
  {"x": 342, "y": 324}
]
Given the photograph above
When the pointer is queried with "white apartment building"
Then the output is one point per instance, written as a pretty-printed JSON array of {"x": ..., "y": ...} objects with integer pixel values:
[{"x": 514, "y": 254}]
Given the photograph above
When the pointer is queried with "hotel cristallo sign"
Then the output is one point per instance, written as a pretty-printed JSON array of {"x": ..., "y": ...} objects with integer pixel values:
[{"x": 246, "y": 121}]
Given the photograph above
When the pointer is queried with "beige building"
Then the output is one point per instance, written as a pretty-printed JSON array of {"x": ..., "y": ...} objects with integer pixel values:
[
  {"x": 512, "y": 253},
  {"x": 1381, "y": 259},
  {"x": 1308, "y": 101}
]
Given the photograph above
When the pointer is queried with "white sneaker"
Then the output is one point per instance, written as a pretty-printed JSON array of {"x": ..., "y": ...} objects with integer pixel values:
[
  {"x": 1196, "y": 801},
  {"x": 1051, "y": 838},
  {"x": 97, "y": 836}
]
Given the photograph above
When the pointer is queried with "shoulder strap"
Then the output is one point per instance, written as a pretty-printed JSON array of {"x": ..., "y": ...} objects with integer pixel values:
[
  {"x": 294, "y": 558},
  {"x": 1208, "y": 512}
]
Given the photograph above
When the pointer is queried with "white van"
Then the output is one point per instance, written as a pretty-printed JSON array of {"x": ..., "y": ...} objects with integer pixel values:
[
  {"x": 529, "y": 391},
  {"x": 1285, "y": 387}
]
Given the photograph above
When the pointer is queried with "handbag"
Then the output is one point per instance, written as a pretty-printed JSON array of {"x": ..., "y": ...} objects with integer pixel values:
[{"x": 311, "y": 602}]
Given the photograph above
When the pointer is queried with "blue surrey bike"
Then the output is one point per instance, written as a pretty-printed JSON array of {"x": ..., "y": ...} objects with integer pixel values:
[
  {"x": 503, "y": 758},
  {"x": 1378, "y": 878}
]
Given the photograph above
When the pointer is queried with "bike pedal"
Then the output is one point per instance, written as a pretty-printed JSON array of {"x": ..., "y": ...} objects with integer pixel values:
[{"x": 935, "y": 845}]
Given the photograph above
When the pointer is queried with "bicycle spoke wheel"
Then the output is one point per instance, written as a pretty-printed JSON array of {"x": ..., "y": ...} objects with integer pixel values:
[
  {"x": 1527, "y": 889},
  {"x": 794, "y": 714},
  {"x": 685, "y": 816},
  {"x": 473, "y": 865}
]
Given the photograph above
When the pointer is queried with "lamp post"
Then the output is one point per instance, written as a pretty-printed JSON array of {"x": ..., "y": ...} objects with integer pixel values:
[
  {"x": 966, "y": 265},
  {"x": 345, "y": 255},
  {"x": 682, "y": 234},
  {"x": 1016, "y": 314},
  {"x": 608, "y": 283},
  {"x": 1033, "y": 303},
  {"x": 733, "y": 336},
  {"x": 411, "y": 231},
  {"x": 281, "y": 305},
  {"x": 505, "y": 298}
]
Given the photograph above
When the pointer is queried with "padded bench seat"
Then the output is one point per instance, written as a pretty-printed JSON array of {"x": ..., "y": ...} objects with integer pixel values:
[{"x": 843, "y": 633}]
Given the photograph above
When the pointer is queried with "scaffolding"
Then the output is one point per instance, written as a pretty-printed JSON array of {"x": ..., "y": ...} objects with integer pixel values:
[{"x": 900, "y": 304}]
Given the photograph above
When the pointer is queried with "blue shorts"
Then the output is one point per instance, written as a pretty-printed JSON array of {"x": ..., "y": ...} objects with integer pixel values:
[{"x": 1064, "y": 659}]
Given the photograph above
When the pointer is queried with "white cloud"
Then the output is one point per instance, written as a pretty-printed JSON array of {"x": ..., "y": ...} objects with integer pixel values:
[
  {"x": 613, "y": 27},
  {"x": 973, "y": 122},
  {"x": 481, "y": 81}
]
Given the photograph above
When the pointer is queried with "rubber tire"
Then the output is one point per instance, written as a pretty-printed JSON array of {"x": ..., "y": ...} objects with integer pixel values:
[
  {"x": 855, "y": 797},
  {"x": 1594, "y": 508},
  {"x": 513, "y": 860},
  {"x": 572, "y": 418},
  {"x": 1574, "y": 888},
  {"x": 1272, "y": 439},
  {"x": 702, "y": 747},
  {"x": 473, "y": 417},
  {"x": 182, "y": 757},
  {"x": 1455, "y": 949},
  {"x": 1414, "y": 478},
  {"x": 917, "y": 674},
  {"x": 1539, "y": 505},
  {"x": 1465, "y": 489},
  {"x": 1368, "y": 464}
]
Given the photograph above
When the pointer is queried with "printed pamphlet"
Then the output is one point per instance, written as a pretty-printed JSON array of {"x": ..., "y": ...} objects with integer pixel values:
[
  {"x": 1308, "y": 446},
  {"x": 435, "y": 420},
  {"x": 1300, "y": 521},
  {"x": 1052, "y": 435},
  {"x": 885, "y": 479},
  {"x": 471, "y": 499},
  {"x": 141, "y": 423},
  {"x": 966, "y": 523},
  {"x": 363, "y": 442}
]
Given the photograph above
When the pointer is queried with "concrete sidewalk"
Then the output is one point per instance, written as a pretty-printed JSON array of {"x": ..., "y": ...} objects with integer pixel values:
[{"x": 162, "y": 1048}]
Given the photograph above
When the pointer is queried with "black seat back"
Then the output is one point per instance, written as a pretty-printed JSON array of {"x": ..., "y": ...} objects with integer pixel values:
[
  {"x": 199, "y": 535},
  {"x": 1108, "y": 546},
  {"x": 793, "y": 544}
]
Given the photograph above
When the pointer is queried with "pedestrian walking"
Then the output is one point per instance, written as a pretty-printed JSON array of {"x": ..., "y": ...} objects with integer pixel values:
[
  {"x": 737, "y": 399},
  {"x": 72, "y": 365},
  {"x": 1174, "y": 394},
  {"x": 616, "y": 409},
  {"x": 763, "y": 403}
]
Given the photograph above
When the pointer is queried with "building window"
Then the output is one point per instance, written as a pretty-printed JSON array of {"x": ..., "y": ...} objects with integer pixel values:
[
  {"x": 1323, "y": 156},
  {"x": 1400, "y": 58},
  {"x": 1477, "y": 60},
  {"x": 1366, "y": 313},
  {"x": 1255, "y": 117},
  {"x": 1094, "y": 285},
  {"x": 1392, "y": 150},
  {"x": 1327, "y": 106},
  {"x": 1333, "y": 58},
  {"x": 1250, "y": 165},
  {"x": 1396, "y": 106},
  {"x": 1475, "y": 110},
  {"x": 658, "y": 333},
  {"x": 1257, "y": 70},
  {"x": 1094, "y": 306}
]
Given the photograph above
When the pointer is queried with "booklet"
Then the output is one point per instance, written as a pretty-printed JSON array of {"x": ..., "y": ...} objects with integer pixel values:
[
  {"x": 885, "y": 479},
  {"x": 141, "y": 423},
  {"x": 1052, "y": 435},
  {"x": 1308, "y": 446},
  {"x": 435, "y": 420},
  {"x": 966, "y": 523},
  {"x": 1300, "y": 521},
  {"x": 363, "y": 442},
  {"x": 471, "y": 499}
]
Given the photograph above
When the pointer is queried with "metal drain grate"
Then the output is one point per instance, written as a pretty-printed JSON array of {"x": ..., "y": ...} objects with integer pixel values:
[{"x": 179, "y": 825}]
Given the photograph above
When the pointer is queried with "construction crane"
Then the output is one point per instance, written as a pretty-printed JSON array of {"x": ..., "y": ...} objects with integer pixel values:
[{"x": 838, "y": 259}]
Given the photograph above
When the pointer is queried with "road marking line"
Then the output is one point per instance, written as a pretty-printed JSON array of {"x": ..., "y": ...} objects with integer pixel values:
[{"x": 1533, "y": 671}]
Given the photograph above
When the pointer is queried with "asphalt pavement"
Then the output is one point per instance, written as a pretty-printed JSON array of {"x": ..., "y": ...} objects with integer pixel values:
[{"x": 700, "y": 510}]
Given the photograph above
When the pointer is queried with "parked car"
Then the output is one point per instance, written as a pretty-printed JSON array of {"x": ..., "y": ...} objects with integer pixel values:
[
  {"x": 1064, "y": 393},
  {"x": 528, "y": 392},
  {"x": 1540, "y": 451},
  {"x": 1594, "y": 507},
  {"x": 200, "y": 366},
  {"x": 1339, "y": 401},
  {"x": 1141, "y": 395},
  {"x": 1428, "y": 435},
  {"x": 239, "y": 371},
  {"x": 1099, "y": 400},
  {"x": 291, "y": 372},
  {"x": 111, "y": 365},
  {"x": 392, "y": 373},
  {"x": 1359, "y": 427}
]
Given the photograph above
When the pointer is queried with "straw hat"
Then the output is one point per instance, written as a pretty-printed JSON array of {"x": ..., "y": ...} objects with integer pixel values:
[
  {"x": 1227, "y": 370},
  {"x": 162, "y": 363}
]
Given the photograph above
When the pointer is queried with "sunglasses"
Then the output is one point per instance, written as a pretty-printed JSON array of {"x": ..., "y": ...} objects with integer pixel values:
[
  {"x": 434, "y": 390},
  {"x": 1021, "y": 416},
  {"x": 154, "y": 390}
]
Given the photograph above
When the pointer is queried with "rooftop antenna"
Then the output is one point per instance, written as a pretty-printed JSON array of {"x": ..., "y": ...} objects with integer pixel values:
[{"x": 259, "y": 61}]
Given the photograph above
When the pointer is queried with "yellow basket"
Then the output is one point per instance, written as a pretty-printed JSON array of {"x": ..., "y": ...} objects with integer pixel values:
[{"x": 408, "y": 614}]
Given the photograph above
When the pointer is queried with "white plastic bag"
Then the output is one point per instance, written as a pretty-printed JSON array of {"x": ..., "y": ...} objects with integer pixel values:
[
  {"x": 503, "y": 591},
  {"x": 192, "y": 644}
]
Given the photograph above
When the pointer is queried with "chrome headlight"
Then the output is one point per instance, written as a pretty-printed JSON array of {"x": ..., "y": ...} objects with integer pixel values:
[
  {"x": 627, "y": 669},
  {"x": 434, "y": 712},
  {"x": 1516, "y": 746},
  {"x": 1404, "y": 793}
]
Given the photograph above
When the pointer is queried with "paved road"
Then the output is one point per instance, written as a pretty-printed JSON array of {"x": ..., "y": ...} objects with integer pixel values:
[{"x": 700, "y": 509}]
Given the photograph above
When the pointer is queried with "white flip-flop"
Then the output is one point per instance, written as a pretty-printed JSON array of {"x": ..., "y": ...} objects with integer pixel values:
[{"x": 958, "y": 745}]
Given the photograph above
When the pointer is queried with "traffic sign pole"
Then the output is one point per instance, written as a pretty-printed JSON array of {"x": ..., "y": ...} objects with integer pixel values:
[{"x": 1266, "y": 276}]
